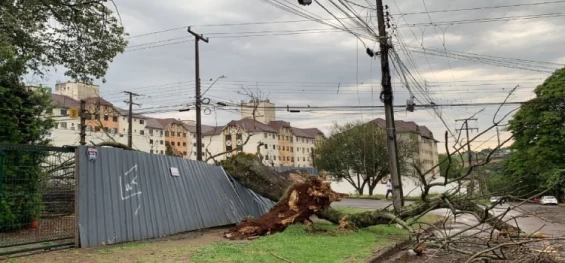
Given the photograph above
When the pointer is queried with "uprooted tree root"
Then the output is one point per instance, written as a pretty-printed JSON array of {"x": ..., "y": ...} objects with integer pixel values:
[{"x": 301, "y": 202}]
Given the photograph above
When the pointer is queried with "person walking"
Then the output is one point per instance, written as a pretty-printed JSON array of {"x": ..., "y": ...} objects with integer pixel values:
[{"x": 388, "y": 189}]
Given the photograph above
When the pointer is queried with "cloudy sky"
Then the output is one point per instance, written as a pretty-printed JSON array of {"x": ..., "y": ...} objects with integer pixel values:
[{"x": 492, "y": 46}]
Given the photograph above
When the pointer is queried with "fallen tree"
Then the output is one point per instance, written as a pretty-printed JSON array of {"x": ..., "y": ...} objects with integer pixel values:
[{"x": 298, "y": 199}]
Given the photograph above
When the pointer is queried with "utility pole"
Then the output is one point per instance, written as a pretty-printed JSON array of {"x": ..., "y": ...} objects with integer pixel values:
[
  {"x": 498, "y": 135},
  {"x": 471, "y": 188},
  {"x": 397, "y": 195},
  {"x": 197, "y": 38},
  {"x": 130, "y": 113},
  {"x": 83, "y": 115}
]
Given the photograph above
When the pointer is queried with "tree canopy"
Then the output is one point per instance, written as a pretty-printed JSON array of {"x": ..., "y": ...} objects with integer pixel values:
[
  {"x": 455, "y": 166},
  {"x": 357, "y": 153},
  {"x": 82, "y": 36},
  {"x": 539, "y": 133}
]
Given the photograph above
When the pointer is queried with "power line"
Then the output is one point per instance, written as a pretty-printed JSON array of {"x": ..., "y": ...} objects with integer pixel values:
[{"x": 340, "y": 18}]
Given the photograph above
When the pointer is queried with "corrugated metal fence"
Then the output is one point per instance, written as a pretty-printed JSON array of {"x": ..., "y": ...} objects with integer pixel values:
[
  {"x": 127, "y": 196},
  {"x": 310, "y": 170}
]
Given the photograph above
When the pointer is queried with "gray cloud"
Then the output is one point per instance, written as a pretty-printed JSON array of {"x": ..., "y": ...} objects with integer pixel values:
[{"x": 306, "y": 69}]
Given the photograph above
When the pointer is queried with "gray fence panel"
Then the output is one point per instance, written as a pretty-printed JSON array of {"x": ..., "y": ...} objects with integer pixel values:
[
  {"x": 310, "y": 170},
  {"x": 127, "y": 196},
  {"x": 256, "y": 205}
]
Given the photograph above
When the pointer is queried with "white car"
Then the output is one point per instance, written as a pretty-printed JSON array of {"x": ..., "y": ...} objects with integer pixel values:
[{"x": 548, "y": 199}]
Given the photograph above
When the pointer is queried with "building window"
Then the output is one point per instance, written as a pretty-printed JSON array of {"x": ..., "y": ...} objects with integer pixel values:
[
  {"x": 63, "y": 125},
  {"x": 291, "y": 138},
  {"x": 97, "y": 128},
  {"x": 161, "y": 151},
  {"x": 228, "y": 148},
  {"x": 141, "y": 122},
  {"x": 178, "y": 143},
  {"x": 178, "y": 134},
  {"x": 161, "y": 142},
  {"x": 239, "y": 136},
  {"x": 106, "y": 118},
  {"x": 266, "y": 157},
  {"x": 292, "y": 159},
  {"x": 184, "y": 153},
  {"x": 273, "y": 136},
  {"x": 151, "y": 151},
  {"x": 63, "y": 112},
  {"x": 184, "y": 134},
  {"x": 166, "y": 133},
  {"x": 304, "y": 159},
  {"x": 228, "y": 137},
  {"x": 265, "y": 135},
  {"x": 97, "y": 116},
  {"x": 160, "y": 133},
  {"x": 150, "y": 132},
  {"x": 150, "y": 141},
  {"x": 291, "y": 149},
  {"x": 184, "y": 144},
  {"x": 274, "y": 147},
  {"x": 115, "y": 119}
]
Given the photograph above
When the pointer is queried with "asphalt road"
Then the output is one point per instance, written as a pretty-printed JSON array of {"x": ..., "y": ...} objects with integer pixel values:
[
  {"x": 548, "y": 219},
  {"x": 365, "y": 203}
]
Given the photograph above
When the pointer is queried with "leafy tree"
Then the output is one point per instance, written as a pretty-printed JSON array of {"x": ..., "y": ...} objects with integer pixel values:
[
  {"x": 539, "y": 138},
  {"x": 455, "y": 167},
  {"x": 20, "y": 123},
  {"x": 357, "y": 153},
  {"x": 82, "y": 35}
]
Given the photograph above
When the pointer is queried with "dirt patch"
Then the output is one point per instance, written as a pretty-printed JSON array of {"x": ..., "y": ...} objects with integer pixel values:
[{"x": 178, "y": 248}]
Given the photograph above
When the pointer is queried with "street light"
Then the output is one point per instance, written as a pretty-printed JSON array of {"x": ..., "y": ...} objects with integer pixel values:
[{"x": 220, "y": 77}]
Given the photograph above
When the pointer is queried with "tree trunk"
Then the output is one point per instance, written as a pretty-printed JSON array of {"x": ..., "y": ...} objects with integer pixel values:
[{"x": 306, "y": 197}]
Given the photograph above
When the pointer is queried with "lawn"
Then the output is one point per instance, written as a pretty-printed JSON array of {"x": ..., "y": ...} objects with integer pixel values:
[{"x": 324, "y": 244}]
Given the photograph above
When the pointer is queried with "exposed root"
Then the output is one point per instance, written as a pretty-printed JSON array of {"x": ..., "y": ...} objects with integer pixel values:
[{"x": 301, "y": 202}]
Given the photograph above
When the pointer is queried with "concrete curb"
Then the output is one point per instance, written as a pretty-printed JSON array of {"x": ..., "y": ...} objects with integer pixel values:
[{"x": 387, "y": 252}]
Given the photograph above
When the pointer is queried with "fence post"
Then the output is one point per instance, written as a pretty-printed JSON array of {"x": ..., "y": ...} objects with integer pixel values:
[
  {"x": 76, "y": 197},
  {"x": 1, "y": 171}
]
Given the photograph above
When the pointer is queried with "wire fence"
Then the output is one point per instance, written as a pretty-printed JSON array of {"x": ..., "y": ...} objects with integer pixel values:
[{"x": 37, "y": 192}]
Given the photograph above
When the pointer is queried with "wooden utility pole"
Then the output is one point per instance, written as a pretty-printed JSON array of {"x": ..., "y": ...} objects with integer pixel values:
[
  {"x": 471, "y": 188},
  {"x": 387, "y": 96},
  {"x": 197, "y": 38},
  {"x": 130, "y": 113},
  {"x": 83, "y": 116}
]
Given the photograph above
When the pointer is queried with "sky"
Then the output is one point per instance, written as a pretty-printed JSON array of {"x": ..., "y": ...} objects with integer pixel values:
[{"x": 261, "y": 49}]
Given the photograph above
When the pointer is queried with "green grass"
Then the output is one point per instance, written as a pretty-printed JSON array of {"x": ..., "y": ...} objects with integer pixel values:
[{"x": 297, "y": 245}]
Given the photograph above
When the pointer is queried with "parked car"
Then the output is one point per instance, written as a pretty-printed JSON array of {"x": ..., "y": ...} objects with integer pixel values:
[
  {"x": 548, "y": 199},
  {"x": 495, "y": 199}
]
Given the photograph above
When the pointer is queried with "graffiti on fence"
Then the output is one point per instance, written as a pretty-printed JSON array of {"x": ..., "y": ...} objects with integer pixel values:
[{"x": 129, "y": 186}]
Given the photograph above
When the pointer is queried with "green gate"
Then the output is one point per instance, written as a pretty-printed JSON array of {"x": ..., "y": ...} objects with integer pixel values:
[{"x": 37, "y": 195}]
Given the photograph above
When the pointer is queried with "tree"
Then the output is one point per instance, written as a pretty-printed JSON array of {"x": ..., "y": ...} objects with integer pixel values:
[
  {"x": 82, "y": 36},
  {"x": 455, "y": 167},
  {"x": 539, "y": 146},
  {"x": 357, "y": 153},
  {"x": 21, "y": 122}
]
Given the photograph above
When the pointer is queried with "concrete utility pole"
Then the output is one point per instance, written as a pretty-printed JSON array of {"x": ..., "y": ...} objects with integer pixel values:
[
  {"x": 498, "y": 135},
  {"x": 471, "y": 189},
  {"x": 83, "y": 115},
  {"x": 397, "y": 195},
  {"x": 197, "y": 38},
  {"x": 130, "y": 113}
]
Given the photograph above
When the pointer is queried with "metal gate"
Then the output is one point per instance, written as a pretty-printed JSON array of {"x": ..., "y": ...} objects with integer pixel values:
[{"x": 37, "y": 195}]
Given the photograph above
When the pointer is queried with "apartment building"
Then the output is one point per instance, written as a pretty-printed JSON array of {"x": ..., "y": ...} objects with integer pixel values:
[
  {"x": 425, "y": 148},
  {"x": 286, "y": 142},
  {"x": 175, "y": 136},
  {"x": 277, "y": 142}
]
